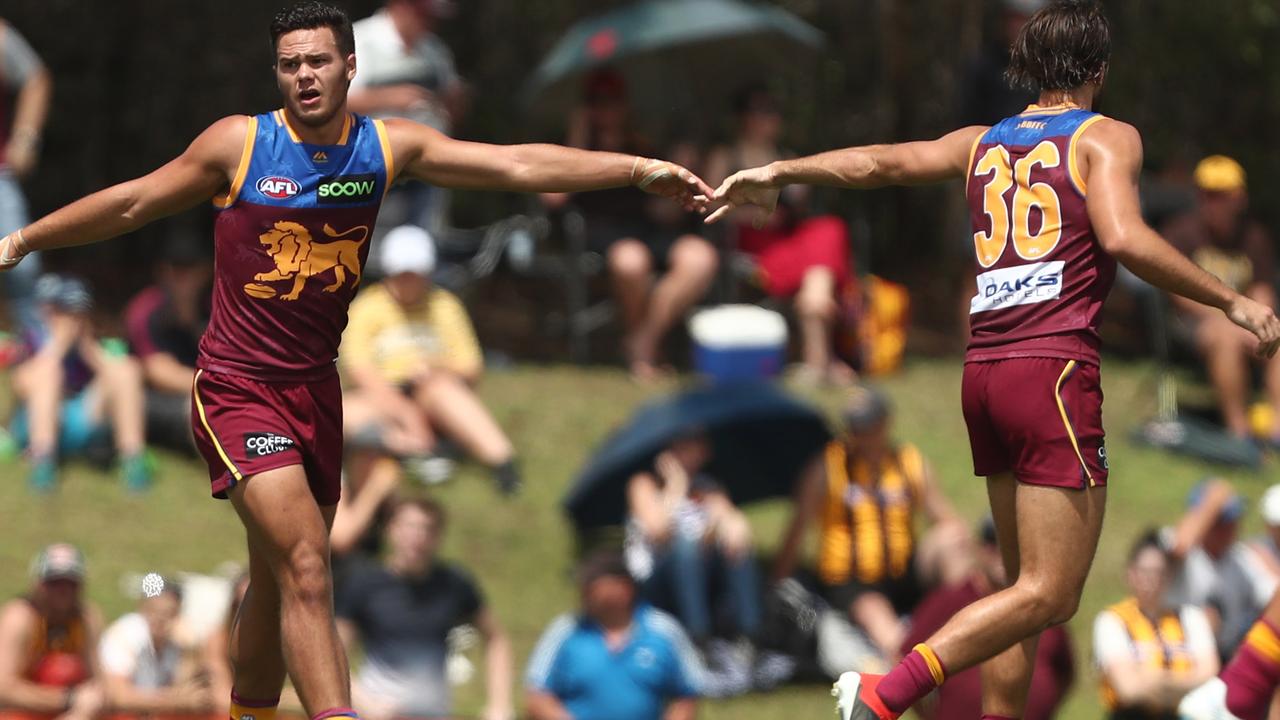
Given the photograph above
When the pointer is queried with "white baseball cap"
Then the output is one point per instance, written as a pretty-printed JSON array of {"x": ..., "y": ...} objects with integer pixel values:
[
  {"x": 408, "y": 249},
  {"x": 1271, "y": 505}
]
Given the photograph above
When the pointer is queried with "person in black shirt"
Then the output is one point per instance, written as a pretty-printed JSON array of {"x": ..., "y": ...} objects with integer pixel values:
[
  {"x": 401, "y": 611},
  {"x": 164, "y": 323}
]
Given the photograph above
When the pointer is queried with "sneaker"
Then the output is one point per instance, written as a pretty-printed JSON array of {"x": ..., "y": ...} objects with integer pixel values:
[
  {"x": 856, "y": 698},
  {"x": 136, "y": 471},
  {"x": 43, "y": 477}
]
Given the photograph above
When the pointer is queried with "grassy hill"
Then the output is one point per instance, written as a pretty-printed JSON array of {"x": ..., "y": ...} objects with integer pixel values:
[{"x": 520, "y": 549}]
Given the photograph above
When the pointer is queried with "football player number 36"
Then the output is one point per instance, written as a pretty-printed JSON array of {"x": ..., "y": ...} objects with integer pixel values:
[{"x": 1012, "y": 221}]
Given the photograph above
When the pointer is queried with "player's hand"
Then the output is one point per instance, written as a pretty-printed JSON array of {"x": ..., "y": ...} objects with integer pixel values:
[
  {"x": 671, "y": 181},
  {"x": 12, "y": 249},
  {"x": 755, "y": 187},
  {"x": 1258, "y": 319}
]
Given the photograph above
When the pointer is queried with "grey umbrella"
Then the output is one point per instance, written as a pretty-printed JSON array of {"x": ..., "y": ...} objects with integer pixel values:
[{"x": 677, "y": 55}]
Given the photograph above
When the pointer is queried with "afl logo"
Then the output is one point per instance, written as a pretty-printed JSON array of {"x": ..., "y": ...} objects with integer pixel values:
[{"x": 277, "y": 187}]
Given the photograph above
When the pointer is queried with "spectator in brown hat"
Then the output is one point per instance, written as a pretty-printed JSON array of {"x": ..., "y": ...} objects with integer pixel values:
[{"x": 1220, "y": 237}]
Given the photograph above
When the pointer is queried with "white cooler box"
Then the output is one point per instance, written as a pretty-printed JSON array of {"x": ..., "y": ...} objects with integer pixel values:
[{"x": 738, "y": 342}]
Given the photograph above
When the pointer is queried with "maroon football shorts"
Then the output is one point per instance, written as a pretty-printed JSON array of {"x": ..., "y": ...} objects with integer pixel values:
[
  {"x": 244, "y": 427},
  {"x": 1039, "y": 417}
]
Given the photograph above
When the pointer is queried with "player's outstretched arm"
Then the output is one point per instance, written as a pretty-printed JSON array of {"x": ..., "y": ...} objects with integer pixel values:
[
  {"x": 870, "y": 166},
  {"x": 194, "y": 176},
  {"x": 1111, "y": 152},
  {"x": 425, "y": 154}
]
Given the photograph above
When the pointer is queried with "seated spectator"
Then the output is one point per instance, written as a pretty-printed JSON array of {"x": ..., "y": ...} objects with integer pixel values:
[
  {"x": 411, "y": 353},
  {"x": 614, "y": 659},
  {"x": 1220, "y": 237},
  {"x": 688, "y": 545},
  {"x": 164, "y": 323},
  {"x": 48, "y": 641},
  {"x": 1212, "y": 569},
  {"x": 620, "y": 226},
  {"x": 866, "y": 493},
  {"x": 1267, "y": 545},
  {"x": 399, "y": 612},
  {"x": 1151, "y": 653},
  {"x": 73, "y": 389},
  {"x": 217, "y": 647},
  {"x": 144, "y": 664},
  {"x": 798, "y": 256},
  {"x": 961, "y": 695}
]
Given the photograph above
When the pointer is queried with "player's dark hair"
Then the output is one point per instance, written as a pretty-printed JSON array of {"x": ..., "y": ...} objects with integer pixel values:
[
  {"x": 1065, "y": 45},
  {"x": 310, "y": 15},
  {"x": 1148, "y": 540},
  {"x": 427, "y": 506}
]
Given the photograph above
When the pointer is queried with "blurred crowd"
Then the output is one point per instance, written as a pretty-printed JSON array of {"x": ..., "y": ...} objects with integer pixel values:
[{"x": 873, "y": 559}]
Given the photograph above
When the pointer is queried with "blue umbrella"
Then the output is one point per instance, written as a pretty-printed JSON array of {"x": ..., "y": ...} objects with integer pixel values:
[
  {"x": 675, "y": 52},
  {"x": 762, "y": 438}
]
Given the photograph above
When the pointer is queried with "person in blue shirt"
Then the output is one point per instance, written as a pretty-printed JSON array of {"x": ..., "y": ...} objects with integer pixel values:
[{"x": 615, "y": 659}]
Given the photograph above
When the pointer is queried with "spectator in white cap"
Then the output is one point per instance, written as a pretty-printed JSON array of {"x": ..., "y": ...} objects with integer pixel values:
[
  {"x": 411, "y": 360},
  {"x": 47, "y": 639},
  {"x": 1267, "y": 545}
]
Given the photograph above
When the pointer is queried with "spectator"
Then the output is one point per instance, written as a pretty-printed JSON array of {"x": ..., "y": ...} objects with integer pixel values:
[
  {"x": 48, "y": 664},
  {"x": 987, "y": 97},
  {"x": 1219, "y": 236},
  {"x": 1267, "y": 545},
  {"x": 961, "y": 694},
  {"x": 164, "y": 323},
  {"x": 217, "y": 647},
  {"x": 685, "y": 539},
  {"x": 73, "y": 388},
  {"x": 24, "y": 79},
  {"x": 614, "y": 660},
  {"x": 1150, "y": 653},
  {"x": 798, "y": 256},
  {"x": 1212, "y": 569},
  {"x": 145, "y": 667},
  {"x": 400, "y": 613},
  {"x": 406, "y": 71},
  {"x": 866, "y": 493},
  {"x": 410, "y": 351},
  {"x": 619, "y": 225}
]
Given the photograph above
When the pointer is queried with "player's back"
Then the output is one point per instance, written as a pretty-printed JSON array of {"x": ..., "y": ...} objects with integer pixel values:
[{"x": 1042, "y": 276}]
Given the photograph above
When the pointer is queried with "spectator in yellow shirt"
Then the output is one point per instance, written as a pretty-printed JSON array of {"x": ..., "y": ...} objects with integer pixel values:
[{"x": 411, "y": 359}]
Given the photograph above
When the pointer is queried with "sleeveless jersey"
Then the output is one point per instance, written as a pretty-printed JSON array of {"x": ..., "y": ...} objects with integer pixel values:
[
  {"x": 55, "y": 652},
  {"x": 290, "y": 244},
  {"x": 1042, "y": 276},
  {"x": 1160, "y": 644},
  {"x": 868, "y": 532}
]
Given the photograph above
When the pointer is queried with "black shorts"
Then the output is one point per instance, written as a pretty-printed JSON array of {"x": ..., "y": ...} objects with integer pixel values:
[{"x": 904, "y": 593}]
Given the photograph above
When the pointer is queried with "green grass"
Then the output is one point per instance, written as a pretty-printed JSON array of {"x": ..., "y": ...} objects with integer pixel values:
[{"x": 520, "y": 550}]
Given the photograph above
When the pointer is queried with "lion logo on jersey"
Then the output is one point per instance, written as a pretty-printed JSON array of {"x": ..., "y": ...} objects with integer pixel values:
[{"x": 298, "y": 257}]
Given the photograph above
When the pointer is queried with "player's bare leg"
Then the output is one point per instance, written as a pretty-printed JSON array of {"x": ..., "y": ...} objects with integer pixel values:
[
  {"x": 1006, "y": 678},
  {"x": 1057, "y": 533},
  {"x": 1254, "y": 672},
  {"x": 257, "y": 659},
  {"x": 292, "y": 533}
]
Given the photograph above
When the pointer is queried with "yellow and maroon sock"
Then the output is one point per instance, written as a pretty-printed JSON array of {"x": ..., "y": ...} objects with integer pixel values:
[
  {"x": 1252, "y": 675},
  {"x": 243, "y": 708},
  {"x": 919, "y": 673},
  {"x": 338, "y": 712},
  {"x": 997, "y": 717}
]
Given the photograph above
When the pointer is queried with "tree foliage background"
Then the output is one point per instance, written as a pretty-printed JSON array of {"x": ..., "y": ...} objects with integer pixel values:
[{"x": 137, "y": 79}]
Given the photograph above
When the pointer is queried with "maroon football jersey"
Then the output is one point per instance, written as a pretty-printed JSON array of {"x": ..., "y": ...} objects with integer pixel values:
[
  {"x": 1042, "y": 276},
  {"x": 291, "y": 239}
]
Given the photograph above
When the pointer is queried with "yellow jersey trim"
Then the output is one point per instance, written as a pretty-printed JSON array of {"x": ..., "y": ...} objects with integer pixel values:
[
  {"x": 1066, "y": 420},
  {"x": 387, "y": 158},
  {"x": 1034, "y": 109},
  {"x": 225, "y": 201},
  {"x": 283, "y": 119},
  {"x": 1264, "y": 640},
  {"x": 346, "y": 130},
  {"x": 195, "y": 393},
  {"x": 1073, "y": 165}
]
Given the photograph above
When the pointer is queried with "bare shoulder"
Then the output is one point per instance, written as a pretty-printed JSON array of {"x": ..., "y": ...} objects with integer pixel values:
[
  {"x": 223, "y": 142},
  {"x": 403, "y": 132},
  {"x": 1112, "y": 136},
  {"x": 16, "y": 616}
]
